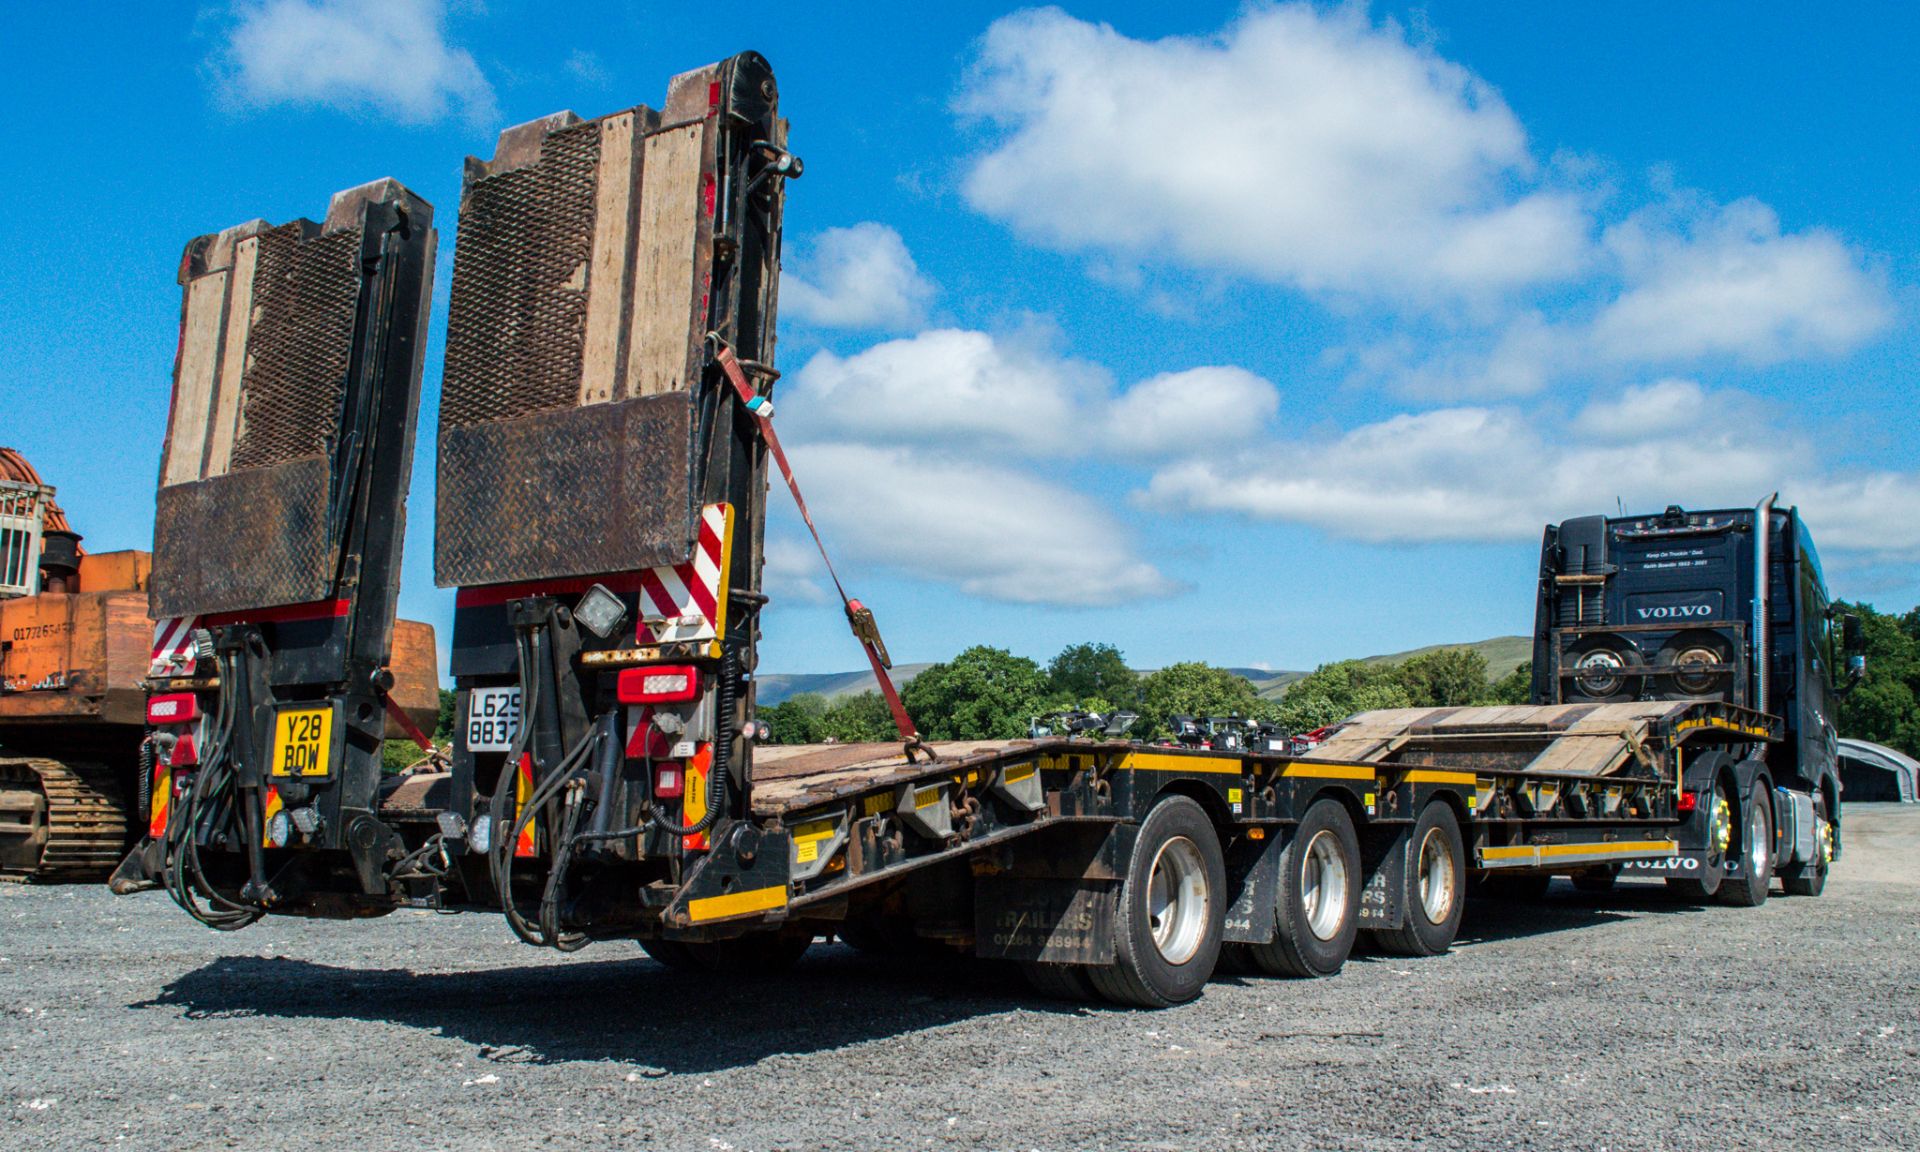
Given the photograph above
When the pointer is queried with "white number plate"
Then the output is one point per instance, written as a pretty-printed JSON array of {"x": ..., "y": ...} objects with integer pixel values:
[{"x": 493, "y": 715}]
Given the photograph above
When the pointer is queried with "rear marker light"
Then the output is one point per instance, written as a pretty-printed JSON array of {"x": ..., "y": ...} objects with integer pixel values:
[
  {"x": 662, "y": 684},
  {"x": 1687, "y": 802},
  {"x": 173, "y": 708}
]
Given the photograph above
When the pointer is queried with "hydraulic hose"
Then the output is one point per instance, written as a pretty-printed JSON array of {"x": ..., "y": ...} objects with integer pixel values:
[{"x": 202, "y": 807}]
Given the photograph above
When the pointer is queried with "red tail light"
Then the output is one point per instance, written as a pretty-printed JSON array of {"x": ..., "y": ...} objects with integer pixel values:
[
  {"x": 173, "y": 708},
  {"x": 1687, "y": 802},
  {"x": 668, "y": 782},
  {"x": 663, "y": 684}
]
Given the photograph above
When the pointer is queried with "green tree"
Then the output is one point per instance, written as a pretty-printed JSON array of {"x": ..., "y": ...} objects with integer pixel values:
[
  {"x": 449, "y": 710},
  {"x": 1885, "y": 706},
  {"x": 1083, "y": 675},
  {"x": 1333, "y": 692},
  {"x": 1446, "y": 678},
  {"x": 799, "y": 719},
  {"x": 858, "y": 718},
  {"x": 1195, "y": 689},
  {"x": 1516, "y": 687},
  {"x": 982, "y": 694}
]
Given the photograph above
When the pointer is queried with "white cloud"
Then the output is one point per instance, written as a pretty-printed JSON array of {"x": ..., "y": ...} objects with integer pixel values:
[
  {"x": 1730, "y": 283},
  {"x": 791, "y": 569},
  {"x": 1176, "y": 411},
  {"x": 1661, "y": 408},
  {"x": 1877, "y": 515},
  {"x": 858, "y": 277},
  {"x": 1297, "y": 146},
  {"x": 1472, "y": 474},
  {"x": 996, "y": 532},
  {"x": 390, "y": 56},
  {"x": 946, "y": 385}
]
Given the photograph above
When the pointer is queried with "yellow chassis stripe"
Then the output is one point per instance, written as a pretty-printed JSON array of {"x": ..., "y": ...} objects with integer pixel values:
[
  {"x": 738, "y": 903},
  {"x": 1428, "y": 776},
  {"x": 1540, "y": 853},
  {"x": 1222, "y": 766},
  {"x": 1328, "y": 771},
  {"x": 1161, "y": 762}
]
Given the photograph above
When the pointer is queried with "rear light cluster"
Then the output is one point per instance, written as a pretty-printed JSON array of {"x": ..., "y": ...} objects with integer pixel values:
[
  {"x": 664, "y": 684},
  {"x": 173, "y": 708}
]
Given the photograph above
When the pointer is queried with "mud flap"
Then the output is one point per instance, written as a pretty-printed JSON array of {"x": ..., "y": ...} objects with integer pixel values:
[
  {"x": 1253, "y": 881},
  {"x": 1383, "y": 856},
  {"x": 1055, "y": 907}
]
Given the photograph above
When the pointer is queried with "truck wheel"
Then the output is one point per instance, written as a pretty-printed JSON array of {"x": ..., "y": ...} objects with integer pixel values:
[
  {"x": 1435, "y": 887},
  {"x": 1527, "y": 888},
  {"x": 671, "y": 953},
  {"x": 1597, "y": 881},
  {"x": 1700, "y": 889},
  {"x": 1060, "y": 981},
  {"x": 758, "y": 954},
  {"x": 1809, "y": 878},
  {"x": 1317, "y": 906},
  {"x": 1167, "y": 929},
  {"x": 1749, "y": 890}
]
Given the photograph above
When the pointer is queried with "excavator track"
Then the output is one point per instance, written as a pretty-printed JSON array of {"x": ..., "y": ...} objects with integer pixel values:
[{"x": 59, "y": 821}]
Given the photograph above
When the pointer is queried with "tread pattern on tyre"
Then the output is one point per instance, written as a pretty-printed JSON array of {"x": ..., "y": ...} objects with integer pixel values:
[{"x": 1121, "y": 982}]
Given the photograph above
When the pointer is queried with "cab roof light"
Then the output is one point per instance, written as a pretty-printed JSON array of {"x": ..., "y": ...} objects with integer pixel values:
[
  {"x": 659, "y": 684},
  {"x": 173, "y": 708}
]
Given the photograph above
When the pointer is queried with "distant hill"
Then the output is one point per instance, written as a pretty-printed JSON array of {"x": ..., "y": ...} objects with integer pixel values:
[{"x": 1503, "y": 654}]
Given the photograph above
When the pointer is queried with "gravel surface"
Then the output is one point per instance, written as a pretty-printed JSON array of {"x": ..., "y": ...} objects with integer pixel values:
[{"x": 1625, "y": 1022}]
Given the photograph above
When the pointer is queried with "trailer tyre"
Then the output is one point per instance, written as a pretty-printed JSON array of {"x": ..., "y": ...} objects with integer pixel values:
[
  {"x": 1435, "y": 888},
  {"x": 1749, "y": 889},
  {"x": 758, "y": 954},
  {"x": 1060, "y": 981},
  {"x": 1317, "y": 910},
  {"x": 1172, "y": 908}
]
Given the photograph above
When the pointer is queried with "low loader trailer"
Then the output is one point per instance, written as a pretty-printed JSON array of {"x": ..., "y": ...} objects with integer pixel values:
[{"x": 606, "y": 443}]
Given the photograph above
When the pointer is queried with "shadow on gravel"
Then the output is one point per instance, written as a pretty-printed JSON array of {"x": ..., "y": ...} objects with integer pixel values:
[
  {"x": 1563, "y": 909},
  {"x": 632, "y": 1011}
]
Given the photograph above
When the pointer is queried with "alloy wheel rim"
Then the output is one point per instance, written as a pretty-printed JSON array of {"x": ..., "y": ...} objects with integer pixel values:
[
  {"x": 1323, "y": 885},
  {"x": 1436, "y": 877},
  {"x": 1177, "y": 900}
]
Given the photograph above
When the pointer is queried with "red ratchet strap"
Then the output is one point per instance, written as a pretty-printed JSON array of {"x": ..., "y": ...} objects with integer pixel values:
[
  {"x": 407, "y": 725},
  {"x": 859, "y": 617}
]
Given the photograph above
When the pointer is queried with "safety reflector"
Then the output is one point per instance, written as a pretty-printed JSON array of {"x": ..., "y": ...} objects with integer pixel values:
[
  {"x": 693, "y": 804},
  {"x": 185, "y": 755},
  {"x": 522, "y": 792},
  {"x": 162, "y": 800},
  {"x": 173, "y": 708},
  {"x": 665, "y": 684},
  {"x": 1687, "y": 802}
]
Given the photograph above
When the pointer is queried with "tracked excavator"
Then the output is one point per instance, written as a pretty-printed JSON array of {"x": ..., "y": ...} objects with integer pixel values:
[{"x": 76, "y": 649}]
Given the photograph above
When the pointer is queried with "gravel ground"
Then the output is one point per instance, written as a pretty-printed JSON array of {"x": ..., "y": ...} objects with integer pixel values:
[{"x": 1628, "y": 1022}]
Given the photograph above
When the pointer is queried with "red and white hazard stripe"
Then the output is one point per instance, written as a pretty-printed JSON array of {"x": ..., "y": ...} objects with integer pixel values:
[
  {"x": 680, "y": 602},
  {"x": 173, "y": 646}
]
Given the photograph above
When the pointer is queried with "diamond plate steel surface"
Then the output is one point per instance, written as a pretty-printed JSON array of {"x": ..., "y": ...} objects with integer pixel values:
[
  {"x": 577, "y": 492},
  {"x": 517, "y": 319},
  {"x": 305, "y": 297},
  {"x": 251, "y": 539}
]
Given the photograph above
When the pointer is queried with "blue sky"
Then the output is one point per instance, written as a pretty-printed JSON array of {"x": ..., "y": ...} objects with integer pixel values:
[{"x": 1254, "y": 334}]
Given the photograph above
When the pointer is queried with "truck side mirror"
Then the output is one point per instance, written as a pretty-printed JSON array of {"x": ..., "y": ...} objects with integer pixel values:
[
  {"x": 1856, "y": 669},
  {"x": 1853, "y": 638}
]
